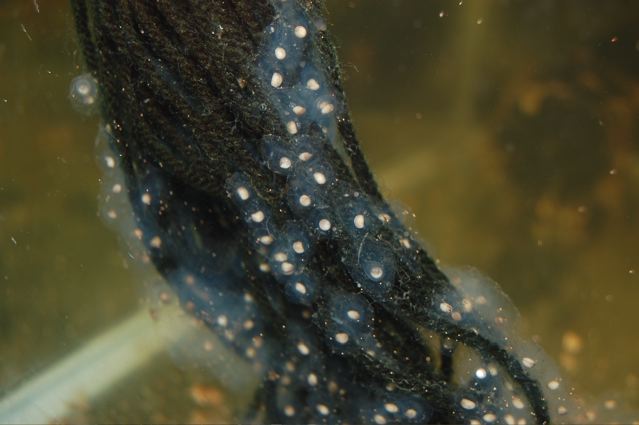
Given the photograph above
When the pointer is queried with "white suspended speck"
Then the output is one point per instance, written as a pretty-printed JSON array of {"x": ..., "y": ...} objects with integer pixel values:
[
  {"x": 299, "y": 287},
  {"x": 359, "y": 221},
  {"x": 299, "y": 110},
  {"x": 146, "y": 199},
  {"x": 553, "y": 385},
  {"x": 410, "y": 413}
]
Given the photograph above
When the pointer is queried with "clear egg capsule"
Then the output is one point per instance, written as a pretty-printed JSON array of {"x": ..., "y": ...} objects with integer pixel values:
[
  {"x": 278, "y": 157},
  {"x": 301, "y": 289},
  {"x": 356, "y": 217},
  {"x": 372, "y": 267},
  {"x": 289, "y": 253},
  {"x": 305, "y": 194}
]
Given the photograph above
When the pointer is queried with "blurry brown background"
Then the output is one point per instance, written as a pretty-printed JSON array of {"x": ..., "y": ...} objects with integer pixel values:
[{"x": 509, "y": 128}]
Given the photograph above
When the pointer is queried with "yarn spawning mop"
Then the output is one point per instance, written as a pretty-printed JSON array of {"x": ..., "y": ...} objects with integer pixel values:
[{"x": 228, "y": 122}]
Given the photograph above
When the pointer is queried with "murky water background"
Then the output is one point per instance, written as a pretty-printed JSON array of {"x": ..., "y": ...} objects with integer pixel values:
[{"x": 509, "y": 128}]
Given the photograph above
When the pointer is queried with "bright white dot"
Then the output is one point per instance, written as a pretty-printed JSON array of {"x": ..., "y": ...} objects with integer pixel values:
[
  {"x": 299, "y": 287},
  {"x": 110, "y": 162},
  {"x": 305, "y": 200},
  {"x": 324, "y": 225},
  {"x": 467, "y": 404},
  {"x": 353, "y": 314},
  {"x": 300, "y": 31},
  {"x": 322, "y": 409},
  {"x": 305, "y": 156},
  {"x": 291, "y": 127},
  {"x": 490, "y": 417},
  {"x": 243, "y": 193},
  {"x": 553, "y": 385},
  {"x": 266, "y": 240},
  {"x": 510, "y": 420},
  {"x": 320, "y": 178},
  {"x": 222, "y": 320},
  {"x": 285, "y": 163},
  {"x": 287, "y": 268},
  {"x": 376, "y": 272},
  {"x": 146, "y": 199},
  {"x": 298, "y": 247},
  {"x": 257, "y": 216},
  {"x": 117, "y": 188},
  {"x": 446, "y": 308},
  {"x": 379, "y": 419},
  {"x": 280, "y": 256},
  {"x": 112, "y": 214},
  {"x": 289, "y": 410},
  {"x": 299, "y": 110},
  {"x": 341, "y": 337},
  {"x": 312, "y": 84},
  {"x": 303, "y": 348},
  {"x": 359, "y": 221},
  {"x": 528, "y": 362},
  {"x": 325, "y": 107},
  {"x": 405, "y": 243},
  {"x": 312, "y": 379},
  {"x": 481, "y": 373},
  {"x": 280, "y": 53},
  {"x": 410, "y": 413},
  {"x": 517, "y": 403},
  {"x": 277, "y": 79},
  {"x": 156, "y": 242},
  {"x": 391, "y": 407}
]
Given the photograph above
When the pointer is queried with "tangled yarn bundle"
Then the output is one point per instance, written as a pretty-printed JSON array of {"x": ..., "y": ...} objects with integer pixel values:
[{"x": 227, "y": 125}]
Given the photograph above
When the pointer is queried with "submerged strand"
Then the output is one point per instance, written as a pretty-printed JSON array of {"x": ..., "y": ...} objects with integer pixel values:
[{"x": 228, "y": 123}]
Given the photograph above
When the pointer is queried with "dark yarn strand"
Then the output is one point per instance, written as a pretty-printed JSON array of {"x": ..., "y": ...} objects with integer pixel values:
[{"x": 265, "y": 219}]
